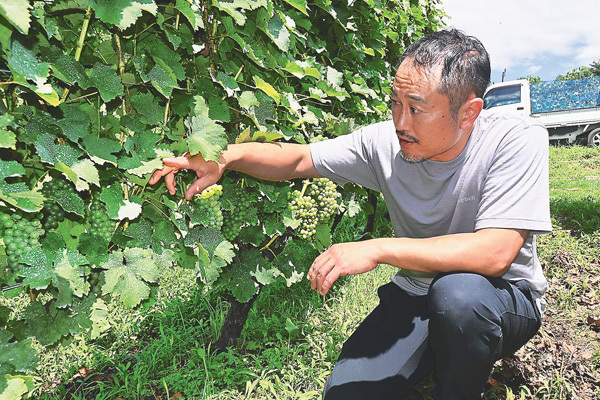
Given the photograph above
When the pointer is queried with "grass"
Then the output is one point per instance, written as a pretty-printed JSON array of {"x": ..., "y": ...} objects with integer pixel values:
[{"x": 293, "y": 336}]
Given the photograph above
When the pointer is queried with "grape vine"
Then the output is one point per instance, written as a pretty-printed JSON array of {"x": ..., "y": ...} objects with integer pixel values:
[{"x": 93, "y": 94}]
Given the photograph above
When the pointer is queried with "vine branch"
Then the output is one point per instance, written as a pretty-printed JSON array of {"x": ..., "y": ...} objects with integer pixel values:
[{"x": 80, "y": 42}]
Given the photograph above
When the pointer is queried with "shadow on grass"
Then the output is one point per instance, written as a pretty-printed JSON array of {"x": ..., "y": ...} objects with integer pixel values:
[{"x": 577, "y": 214}]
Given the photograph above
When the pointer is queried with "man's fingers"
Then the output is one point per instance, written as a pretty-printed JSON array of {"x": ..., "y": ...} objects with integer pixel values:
[
  {"x": 181, "y": 162},
  {"x": 170, "y": 183},
  {"x": 331, "y": 277},
  {"x": 319, "y": 274},
  {"x": 159, "y": 173},
  {"x": 198, "y": 186}
]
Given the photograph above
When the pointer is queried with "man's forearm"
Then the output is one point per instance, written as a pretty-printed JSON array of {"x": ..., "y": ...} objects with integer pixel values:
[
  {"x": 270, "y": 161},
  {"x": 488, "y": 252}
]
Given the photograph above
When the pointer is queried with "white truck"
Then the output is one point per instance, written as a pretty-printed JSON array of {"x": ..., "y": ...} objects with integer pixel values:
[{"x": 570, "y": 109}]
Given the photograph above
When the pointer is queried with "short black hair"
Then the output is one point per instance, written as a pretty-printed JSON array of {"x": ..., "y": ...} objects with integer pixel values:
[{"x": 465, "y": 62}]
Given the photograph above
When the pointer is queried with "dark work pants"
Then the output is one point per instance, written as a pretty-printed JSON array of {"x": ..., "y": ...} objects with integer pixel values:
[{"x": 464, "y": 324}]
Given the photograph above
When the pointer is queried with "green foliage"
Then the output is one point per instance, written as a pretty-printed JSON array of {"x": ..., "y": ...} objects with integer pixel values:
[
  {"x": 94, "y": 93},
  {"x": 577, "y": 73},
  {"x": 532, "y": 78}
]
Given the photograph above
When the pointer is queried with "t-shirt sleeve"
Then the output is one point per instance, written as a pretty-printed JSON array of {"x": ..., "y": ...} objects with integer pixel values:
[
  {"x": 348, "y": 158},
  {"x": 516, "y": 189}
]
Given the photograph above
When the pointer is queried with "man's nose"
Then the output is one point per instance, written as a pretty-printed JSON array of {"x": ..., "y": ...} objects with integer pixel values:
[{"x": 402, "y": 121}]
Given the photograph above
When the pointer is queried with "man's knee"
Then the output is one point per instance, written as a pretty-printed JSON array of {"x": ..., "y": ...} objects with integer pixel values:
[{"x": 457, "y": 301}]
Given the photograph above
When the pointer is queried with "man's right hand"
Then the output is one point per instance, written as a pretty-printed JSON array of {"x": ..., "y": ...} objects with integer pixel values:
[{"x": 208, "y": 173}]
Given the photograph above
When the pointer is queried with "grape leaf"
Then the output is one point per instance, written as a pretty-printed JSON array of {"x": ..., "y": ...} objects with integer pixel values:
[
  {"x": 129, "y": 210},
  {"x": 295, "y": 259},
  {"x": 18, "y": 194},
  {"x": 224, "y": 251},
  {"x": 127, "y": 273},
  {"x": 334, "y": 77},
  {"x": 80, "y": 321},
  {"x": 18, "y": 354},
  {"x": 265, "y": 276},
  {"x": 47, "y": 326},
  {"x": 150, "y": 166},
  {"x": 194, "y": 17},
  {"x": 238, "y": 278},
  {"x": 122, "y": 13},
  {"x": 113, "y": 197},
  {"x": 6, "y": 31},
  {"x": 237, "y": 8},
  {"x": 75, "y": 124},
  {"x": 162, "y": 77},
  {"x": 267, "y": 88},
  {"x": 67, "y": 265},
  {"x": 227, "y": 82},
  {"x": 148, "y": 109},
  {"x": 50, "y": 152},
  {"x": 363, "y": 89},
  {"x": 101, "y": 149},
  {"x": 17, "y": 13},
  {"x": 106, "y": 80},
  {"x": 278, "y": 32},
  {"x": 164, "y": 235},
  {"x": 206, "y": 136},
  {"x": 15, "y": 389},
  {"x": 39, "y": 274},
  {"x": 65, "y": 293},
  {"x": 295, "y": 69},
  {"x": 22, "y": 61},
  {"x": 299, "y": 5},
  {"x": 70, "y": 71},
  {"x": 99, "y": 318},
  {"x": 141, "y": 232},
  {"x": 7, "y": 139},
  {"x": 248, "y": 99},
  {"x": 218, "y": 109},
  {"x": 164, "y": 53},
  {"x": 82, "y": 173}
]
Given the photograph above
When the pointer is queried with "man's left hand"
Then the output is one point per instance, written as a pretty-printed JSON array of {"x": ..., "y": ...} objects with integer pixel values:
[{"x": 340, "y": 260}]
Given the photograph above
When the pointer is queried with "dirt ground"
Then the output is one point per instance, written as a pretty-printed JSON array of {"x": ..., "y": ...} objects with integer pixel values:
[{"x": 561, "y": 361}]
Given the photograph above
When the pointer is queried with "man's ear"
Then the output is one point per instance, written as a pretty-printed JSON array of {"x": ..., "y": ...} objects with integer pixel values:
[{"x": 470, "y": 111}]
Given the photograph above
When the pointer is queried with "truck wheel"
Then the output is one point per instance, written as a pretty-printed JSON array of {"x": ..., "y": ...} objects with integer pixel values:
[{"x": 594, "y": 138}]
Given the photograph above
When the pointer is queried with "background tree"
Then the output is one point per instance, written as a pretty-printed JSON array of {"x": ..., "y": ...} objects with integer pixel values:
[{"x": 532, "y": 78}]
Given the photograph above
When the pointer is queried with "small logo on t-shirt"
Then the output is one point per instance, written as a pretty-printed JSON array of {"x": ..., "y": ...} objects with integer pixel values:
[{"x": 465, "y": 199}]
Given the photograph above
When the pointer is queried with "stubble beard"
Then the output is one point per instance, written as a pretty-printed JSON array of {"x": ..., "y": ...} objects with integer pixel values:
[
  {"x": 406, "y": 157},
  {"x": 412, "y": 159}
]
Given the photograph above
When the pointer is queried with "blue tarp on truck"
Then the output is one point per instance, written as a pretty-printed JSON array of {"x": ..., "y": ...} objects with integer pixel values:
[{"x": 565, "y": 95}]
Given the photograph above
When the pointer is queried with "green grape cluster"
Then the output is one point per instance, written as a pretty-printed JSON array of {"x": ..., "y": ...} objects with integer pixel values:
[
  {"x": 19, "y": 234},
  {"x": 326, "y": 195},
  {"x": 208, "y": 202},
  {"x": 101, "y": 225},
  {"x": 53, "y": 214},
  {"x": 95, "y": 282},
  {"x": 55, "y": 186},
  {"x": 318, "y": 203},
  {"x": 235, "y": 219}
]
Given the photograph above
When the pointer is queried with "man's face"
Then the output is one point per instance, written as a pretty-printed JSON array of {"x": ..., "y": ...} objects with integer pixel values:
[{"x": 422, "y": 116}]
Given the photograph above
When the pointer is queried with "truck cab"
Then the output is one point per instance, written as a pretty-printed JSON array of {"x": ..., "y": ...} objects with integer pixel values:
[
  {"x": 569, "y": 109},
  {"x": 511, "y": 97}
]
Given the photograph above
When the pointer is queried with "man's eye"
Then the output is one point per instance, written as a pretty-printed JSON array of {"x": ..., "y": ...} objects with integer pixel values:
[{"x": 414, "y": 110}]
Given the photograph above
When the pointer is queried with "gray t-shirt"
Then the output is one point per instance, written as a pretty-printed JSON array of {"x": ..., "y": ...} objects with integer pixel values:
[{"x": 500, "y": 180}]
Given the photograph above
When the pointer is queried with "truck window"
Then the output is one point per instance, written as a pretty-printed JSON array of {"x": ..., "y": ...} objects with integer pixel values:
[{"x": 502, "y": 96}]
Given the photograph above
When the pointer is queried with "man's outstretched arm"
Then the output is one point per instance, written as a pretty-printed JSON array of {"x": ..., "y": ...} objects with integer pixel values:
[{"x": 269, "y": 161}]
